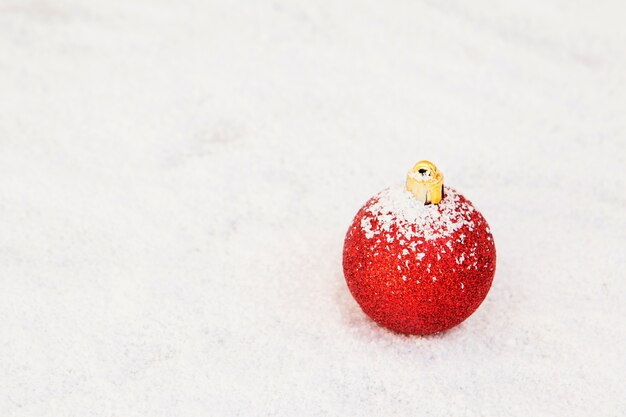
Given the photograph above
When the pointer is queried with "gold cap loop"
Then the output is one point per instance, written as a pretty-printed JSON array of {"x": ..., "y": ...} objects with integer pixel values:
[{"x": 425, "y": 182}]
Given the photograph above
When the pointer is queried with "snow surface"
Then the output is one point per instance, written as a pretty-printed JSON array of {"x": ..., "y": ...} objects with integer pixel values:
[{"x": 176, "y": 178}]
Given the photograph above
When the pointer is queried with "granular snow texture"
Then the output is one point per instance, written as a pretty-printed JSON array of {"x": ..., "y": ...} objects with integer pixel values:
[{"x": 177, "y": 177}]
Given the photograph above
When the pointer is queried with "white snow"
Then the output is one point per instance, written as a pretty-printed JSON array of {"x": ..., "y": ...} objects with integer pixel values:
[
  {"x": 176, "y": 180},
  {"x": 397, "y": 206}
]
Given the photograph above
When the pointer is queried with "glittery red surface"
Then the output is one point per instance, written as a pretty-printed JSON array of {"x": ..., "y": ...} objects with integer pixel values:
[{"x": 426, "y": 295}]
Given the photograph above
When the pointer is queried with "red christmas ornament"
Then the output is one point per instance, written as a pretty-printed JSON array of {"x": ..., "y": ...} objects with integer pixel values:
[{"x": 419, "y": 258}]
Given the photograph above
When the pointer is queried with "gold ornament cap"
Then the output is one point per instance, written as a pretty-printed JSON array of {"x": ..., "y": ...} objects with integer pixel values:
[{"x": 425, "y": 182}]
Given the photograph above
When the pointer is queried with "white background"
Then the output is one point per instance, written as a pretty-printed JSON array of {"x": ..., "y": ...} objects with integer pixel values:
[{"x": 176, "y": 178}]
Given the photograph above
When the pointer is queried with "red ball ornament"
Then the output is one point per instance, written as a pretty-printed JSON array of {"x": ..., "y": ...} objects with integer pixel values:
[{"x": 419, "y": 258}]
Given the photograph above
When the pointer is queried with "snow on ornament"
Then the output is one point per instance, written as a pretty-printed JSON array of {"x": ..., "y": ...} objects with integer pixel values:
[{"x": 418, "y": 257}]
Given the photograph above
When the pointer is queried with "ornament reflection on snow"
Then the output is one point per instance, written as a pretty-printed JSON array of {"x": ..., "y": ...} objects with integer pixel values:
[{"x": 418, "y": 257}]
